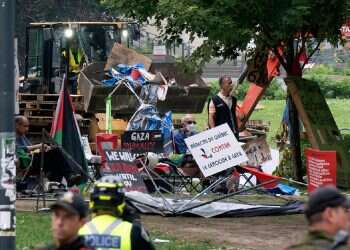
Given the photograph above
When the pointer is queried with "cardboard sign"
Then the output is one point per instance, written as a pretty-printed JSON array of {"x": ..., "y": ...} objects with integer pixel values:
[
  {"x": 216, "y": 150},
  {"x": 321, "y": 168},
  {"x": 121, "y": 163},
  {"x": 257, "y": 151},
  {"x": 143, "y": 141}
]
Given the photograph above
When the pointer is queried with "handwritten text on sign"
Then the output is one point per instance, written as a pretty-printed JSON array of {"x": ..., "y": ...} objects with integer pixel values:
[
  {"x": 122, "y": 164},
  {"x": 143, "y": 141},
  {"x": 216, "y": 150}
]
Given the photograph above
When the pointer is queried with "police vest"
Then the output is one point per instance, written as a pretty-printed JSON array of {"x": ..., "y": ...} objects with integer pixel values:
[
  {"x": 107, "y": 232},
  {"x": 74, "y": 60}
]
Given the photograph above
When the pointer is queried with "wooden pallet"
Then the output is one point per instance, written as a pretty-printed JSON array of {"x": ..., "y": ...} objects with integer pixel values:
[
  {"x": 46, "y": 97},
  {"x": 40, "y": 120},
  {"x": 47, "y": 105},
  {"x": 37, "y": 105},
  {"x": 37, "y": 112}
]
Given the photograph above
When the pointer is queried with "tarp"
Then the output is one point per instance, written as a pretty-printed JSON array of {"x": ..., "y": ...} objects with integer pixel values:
[{"x": 148, "y": 204}]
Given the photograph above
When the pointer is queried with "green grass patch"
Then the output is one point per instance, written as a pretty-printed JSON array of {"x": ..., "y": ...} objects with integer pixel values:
[
  {"x": 34, "y": 228},
  {"x": 273, "y": 111}
]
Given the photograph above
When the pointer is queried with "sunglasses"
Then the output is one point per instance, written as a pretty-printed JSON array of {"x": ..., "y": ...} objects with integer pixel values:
[{"x": 191, "y": 122}]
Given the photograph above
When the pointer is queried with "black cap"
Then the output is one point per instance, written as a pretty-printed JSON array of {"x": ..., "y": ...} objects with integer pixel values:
[
  {"x": 72, "y": 202},
  {"x": 324, "y": 197}
]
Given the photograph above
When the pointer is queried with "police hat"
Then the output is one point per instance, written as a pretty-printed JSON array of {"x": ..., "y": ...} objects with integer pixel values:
[
  {"x": 72, "y": 202},
  {"x": 324, "y": 197}
]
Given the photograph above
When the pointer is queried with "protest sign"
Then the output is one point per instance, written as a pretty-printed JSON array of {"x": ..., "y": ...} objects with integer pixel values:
[
  {"x": 216, "y": 150},
  {"x": 257, "y": 151},
  {"x": 122, "y": 164},
  {"x": 321, "y": 168},
  {"x": 143, "y": 141}
]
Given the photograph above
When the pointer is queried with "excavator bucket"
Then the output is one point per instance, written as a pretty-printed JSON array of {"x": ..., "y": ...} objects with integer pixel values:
[{"x": 188, "y": 95}]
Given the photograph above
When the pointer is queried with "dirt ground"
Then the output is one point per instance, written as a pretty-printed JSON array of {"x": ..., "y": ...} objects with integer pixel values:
[{"x": 264, "y": 232}]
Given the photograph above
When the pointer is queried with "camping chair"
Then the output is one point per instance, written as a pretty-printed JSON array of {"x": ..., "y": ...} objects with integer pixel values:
[
  {"x": 24, "y": 170},
  {"x": 179, "y": 178}
]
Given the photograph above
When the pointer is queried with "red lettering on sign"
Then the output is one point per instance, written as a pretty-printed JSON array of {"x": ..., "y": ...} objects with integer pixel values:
[{"x": 220, "y": 147}]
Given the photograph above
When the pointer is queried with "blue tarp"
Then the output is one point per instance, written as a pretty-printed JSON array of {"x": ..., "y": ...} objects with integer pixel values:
[
  {"x": 123, "y": 71},
  {"x": 282, "y": 189}
]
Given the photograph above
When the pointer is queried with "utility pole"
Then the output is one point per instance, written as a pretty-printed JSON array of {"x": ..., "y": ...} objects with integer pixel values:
[{"x": 7, "y": 135}]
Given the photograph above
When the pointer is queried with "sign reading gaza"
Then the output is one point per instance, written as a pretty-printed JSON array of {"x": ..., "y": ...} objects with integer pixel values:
[
  {"x": 143, "y": 141},
  {"x": 122, "y": 164},
  {"x": 216, "y": 150}
]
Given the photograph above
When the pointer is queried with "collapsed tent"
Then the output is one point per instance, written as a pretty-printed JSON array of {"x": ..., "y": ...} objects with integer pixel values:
[{"x": 148, "y": 204}]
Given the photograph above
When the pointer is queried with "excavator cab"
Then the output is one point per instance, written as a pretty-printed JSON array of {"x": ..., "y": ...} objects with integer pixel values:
[
  {"x": 80, "y": 50},
  {"x": 47, "y": 45}
]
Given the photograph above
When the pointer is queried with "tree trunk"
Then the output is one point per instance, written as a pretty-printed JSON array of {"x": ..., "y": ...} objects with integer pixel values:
[
  {"x": 294, "y": 131},
  {"x": 294, "y": 70}
]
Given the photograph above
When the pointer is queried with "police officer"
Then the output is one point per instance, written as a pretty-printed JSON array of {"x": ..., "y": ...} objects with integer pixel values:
[
  {"x": 68, "y": 216},
  {"x": 108, "y": 229},
  {"x": 327, "y": 213}
]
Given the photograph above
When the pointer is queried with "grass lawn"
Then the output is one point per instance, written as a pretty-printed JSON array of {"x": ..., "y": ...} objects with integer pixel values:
[
  {"x": 34, "y": 228},
  {"x": 273, "y": 110}
]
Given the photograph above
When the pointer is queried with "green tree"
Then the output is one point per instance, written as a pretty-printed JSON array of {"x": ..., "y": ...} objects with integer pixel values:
[
  {"x": 286, "y": 27},
  {"x": 228, "y": 26}
]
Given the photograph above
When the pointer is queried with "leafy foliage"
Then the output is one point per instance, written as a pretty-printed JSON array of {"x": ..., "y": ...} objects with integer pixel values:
[
  {"x": 273, "y": 92},
  {"x": 230, "y": 25},
  {"x": 334, "y": 82}
]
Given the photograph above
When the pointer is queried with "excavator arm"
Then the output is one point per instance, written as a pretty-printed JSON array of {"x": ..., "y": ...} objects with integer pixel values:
[{"x": 256, "y": 91}]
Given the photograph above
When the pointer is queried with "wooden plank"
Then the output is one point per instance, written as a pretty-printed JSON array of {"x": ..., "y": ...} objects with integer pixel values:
[
  {"x": 37, "y": 112},
  {"x": 22, "y": 97},
  {"x": 320, "y": 126},
  {"x": 47, "y": 105}
]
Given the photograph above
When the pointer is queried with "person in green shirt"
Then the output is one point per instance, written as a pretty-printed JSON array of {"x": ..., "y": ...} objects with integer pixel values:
[{"x": 327, "y": 213}]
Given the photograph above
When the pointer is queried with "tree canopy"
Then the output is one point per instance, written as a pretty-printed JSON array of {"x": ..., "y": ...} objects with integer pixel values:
[{"x": 230, "y": 25}]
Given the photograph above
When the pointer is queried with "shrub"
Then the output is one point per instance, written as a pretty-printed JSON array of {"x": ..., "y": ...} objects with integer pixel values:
[{"x": 273, "y": 92}]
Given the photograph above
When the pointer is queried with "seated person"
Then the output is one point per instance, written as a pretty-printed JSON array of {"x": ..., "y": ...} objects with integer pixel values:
[
  {"x": 188, "y": 125},
  {"x": 55, "y": 165}
]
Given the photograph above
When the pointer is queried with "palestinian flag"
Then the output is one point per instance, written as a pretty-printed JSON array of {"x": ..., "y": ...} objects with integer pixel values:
[{"x": 65, "y": 131}]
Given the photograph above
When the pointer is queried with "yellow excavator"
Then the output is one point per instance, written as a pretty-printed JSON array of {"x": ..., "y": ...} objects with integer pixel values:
[{"x": 79, "y": 50}]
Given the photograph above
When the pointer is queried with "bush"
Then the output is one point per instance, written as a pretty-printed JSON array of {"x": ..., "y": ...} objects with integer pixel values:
[
  {"x": 273, "y": 92},
  {"x": 321, "y": 69},
  {"x": 334, "y": 82}
]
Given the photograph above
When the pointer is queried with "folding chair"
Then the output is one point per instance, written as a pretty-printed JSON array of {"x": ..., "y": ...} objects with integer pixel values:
[{"x": 178, "y": 178}]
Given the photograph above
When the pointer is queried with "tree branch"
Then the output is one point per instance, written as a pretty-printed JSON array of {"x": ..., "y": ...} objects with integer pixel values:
[
  {"x": 312, "y": 53},
  {"x": 280, "y": 58}
]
